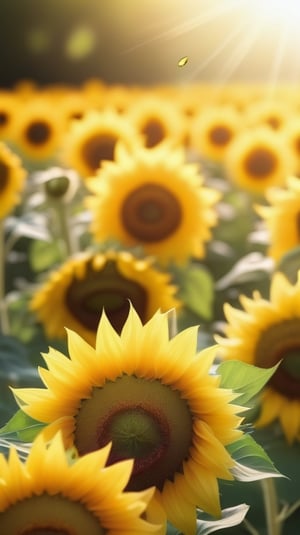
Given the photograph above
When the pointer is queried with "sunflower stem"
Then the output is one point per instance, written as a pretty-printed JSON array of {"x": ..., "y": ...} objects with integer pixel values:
[
  {"x": 173, "y": 326},
  {"x": 4, "y": 320},
  {"x": 271, "y": 506},
  {"x": 65, "y": 230}
]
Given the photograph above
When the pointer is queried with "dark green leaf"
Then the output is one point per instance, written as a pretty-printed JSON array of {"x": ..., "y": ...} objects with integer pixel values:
[{"x": 253, "y": 463}]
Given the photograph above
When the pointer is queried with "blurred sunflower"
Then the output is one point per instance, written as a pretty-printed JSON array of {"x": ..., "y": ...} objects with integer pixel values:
[
  {"x": 213, "y": 130},
  {"x": 155, "y": 400},
  {"x": 48, "y": 494},
  {"x": 75, "y": 295},
  {"x": 154, "y": 199},
  {"x": 92, "y": 139},
  {"x": 12, "y": 180},
  {"x": 282, "y": 217},
  {"x": 9, "y": 109},
  {"x": 257, "y": 159},
  {"x": 291, "y": 137},
  {"x": 38, "y": 129},
  {"x": 272, "y": 113},
  {"x": 157, "y": 120},
  {"x": 264, "y": 333}
]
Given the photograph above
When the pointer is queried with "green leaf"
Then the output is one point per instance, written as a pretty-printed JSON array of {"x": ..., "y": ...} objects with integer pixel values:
[
  {"x": 21, "y": 427},
  {"x": 43, "y": 255},
  {"x": 196, "y": 290},
  {"x": 252, "y": 462},
  {"x": 289, "y": 264},
  {"x": 232, "y": 516},
  {"x": 244, "y": 378}
]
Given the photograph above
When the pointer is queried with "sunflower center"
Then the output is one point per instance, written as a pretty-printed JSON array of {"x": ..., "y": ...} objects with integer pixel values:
[
  {"x": 47, "y": 514},
  {"x": 220, "y": 135},
  {"x": 260, "y": 163},
  {"x": 4, "y": 175},
  {"x": 282, "y": 342},
  {"x": 4, "y": 118},
  {"x": 154, "y": 133},
  {"x": 151, "y": 213},
  {"x": 98, "y": 148},
  {"x": 105, "y": 289},
  {"x": 145, "y": 420},
  {"x": 38, "y": 132}
]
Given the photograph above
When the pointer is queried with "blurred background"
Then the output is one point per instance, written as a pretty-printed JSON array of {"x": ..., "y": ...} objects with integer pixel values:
[{"x": 141, "y": 41}]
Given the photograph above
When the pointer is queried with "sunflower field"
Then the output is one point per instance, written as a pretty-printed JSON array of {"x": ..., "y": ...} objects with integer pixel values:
[{"x": 149, "y": 307}]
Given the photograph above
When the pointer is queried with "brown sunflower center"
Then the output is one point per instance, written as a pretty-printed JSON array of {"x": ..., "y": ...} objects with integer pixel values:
[
  {"x": 98, "y": 148},
  {"x": 38, "y": 132},
  {"x": 274, "y": 122},
  {"x": 154, "y": 132},
  {"x": 47, "y": 514},
  {"x": 220, "y": 135},
  {"x": 105, "y": 289},
  {"x": 297, "y": 144},
  {"x": 260, "y": 162},
  {"x": 282, "y": 342},
  {"x": 151, "y": 213},
  {"x": 4, "y": 118},
  {"x": 4, "y": 175},
  {"x": 145, "y": 420}
]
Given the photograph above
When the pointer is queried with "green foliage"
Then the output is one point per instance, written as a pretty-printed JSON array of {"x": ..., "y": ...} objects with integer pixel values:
[
  {"x": 21, "y": 427},
  {"x": 243, "y": 378},
  {"x": 196, "y": 289}
]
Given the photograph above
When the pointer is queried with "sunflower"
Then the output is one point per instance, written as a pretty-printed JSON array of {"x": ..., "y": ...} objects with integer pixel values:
[
  {"x": 264, "y": 333},
  {"x": 155, "y": 400},
  {"x": 157, "y": 120},
  {"x": 213, "y": 130},
  {"x": 12, "y": 180},
  {"x": 75, "y": 295},
  {"x": 154, "y": 199},
  {"x": 38, "y": 130},
  {"x": 9, "y": 109},
  {"x": 93, "y": 138},
  {"x": 48, "y": 494},
  {"x": 291, "y": 136},
  {"x": 257, "y": 159},
  {"x": 282, "y": 217},
  {"x": 272, "y": 113}
]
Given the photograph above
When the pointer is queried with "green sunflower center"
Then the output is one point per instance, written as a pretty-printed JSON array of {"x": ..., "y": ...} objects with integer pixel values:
[
  {"x": 220, "y": 135},
  {"x": 151, "y": 213},
  {"x": 282, "y": 342},
  {"x": 38, "y": 132},
  {"x": 49, "y": 515},
  {"x": 97, "y": 148},
  {"x": 145, "y": 420},
  {"x": 4, "y": 175},
  {"x": 105, "y": 289},
  {"x": 154, "y": 132},
  {"x": 260, "y": 163}
]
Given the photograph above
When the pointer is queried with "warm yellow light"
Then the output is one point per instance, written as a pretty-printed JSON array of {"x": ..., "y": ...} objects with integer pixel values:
[{"x": 285, "y": 12}]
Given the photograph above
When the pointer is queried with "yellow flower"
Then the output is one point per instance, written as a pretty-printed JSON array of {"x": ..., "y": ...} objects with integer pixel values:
[
  {"x": 213, "y": 130},
  {"x": 38, "y": 129},
  {"x": 273, "y": 113},
  {"x": 263, "y": 333},
  {"x": 48, "y": 494},
  {"x": 258, "y": 159},
  {"x": 281, "y": 217},
  {"x": 9, "y": 109},
  {"x": 157, "y": 120},
  {"x": 75, "y": 295},
  {"x": 291, "y": 136},
  {"x": 12, "y": 180},
  {"x": 92, "y": 139},
  {"x": 155, "y": 399},
  {"x": 152, "y": 198}
]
